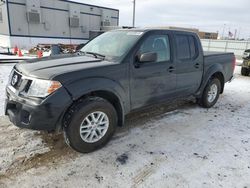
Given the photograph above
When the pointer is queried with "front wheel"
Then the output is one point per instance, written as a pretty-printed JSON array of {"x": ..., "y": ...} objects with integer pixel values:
[
  {"x": 211, "y": 93},
  {"x": 244, "y": 71},
  {"x": 92, "y": 123}
]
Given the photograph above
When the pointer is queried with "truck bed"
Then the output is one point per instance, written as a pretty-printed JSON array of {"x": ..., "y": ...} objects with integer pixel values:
[{"x": 223, "y": 59}]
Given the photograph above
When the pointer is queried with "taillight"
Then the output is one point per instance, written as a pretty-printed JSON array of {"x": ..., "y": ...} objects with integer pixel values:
[{"x": 234, "y": 63}]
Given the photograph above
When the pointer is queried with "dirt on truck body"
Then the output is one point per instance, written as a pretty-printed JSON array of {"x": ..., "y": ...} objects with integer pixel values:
[{"x": 88, "y": 95}]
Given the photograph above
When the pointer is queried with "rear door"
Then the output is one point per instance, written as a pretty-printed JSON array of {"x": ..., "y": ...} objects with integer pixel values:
[
  {"x": 189, "y": 63},
  {"x": 154, "y": 81}
]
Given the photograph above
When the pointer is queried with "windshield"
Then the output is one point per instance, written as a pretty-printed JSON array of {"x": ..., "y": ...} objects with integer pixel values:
[{"x": 112, "y": 45}]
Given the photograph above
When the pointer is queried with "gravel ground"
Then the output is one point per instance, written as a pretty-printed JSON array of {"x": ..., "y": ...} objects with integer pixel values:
[{"x": 187, "y": 147}]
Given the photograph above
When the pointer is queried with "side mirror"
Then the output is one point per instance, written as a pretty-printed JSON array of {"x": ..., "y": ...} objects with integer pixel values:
[{"x": 148, "y": 57}]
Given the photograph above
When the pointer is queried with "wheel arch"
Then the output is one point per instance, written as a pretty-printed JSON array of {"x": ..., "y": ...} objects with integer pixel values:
[
  {"x": 114, "y": 100},
  {"x": 215, "y": 71},
  {"x": 221, "y": 78},
  {"x": 105, "y": 94}
]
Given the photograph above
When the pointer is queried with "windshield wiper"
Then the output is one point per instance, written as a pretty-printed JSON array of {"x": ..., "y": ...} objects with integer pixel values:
[{"x": 96, "y": 55}]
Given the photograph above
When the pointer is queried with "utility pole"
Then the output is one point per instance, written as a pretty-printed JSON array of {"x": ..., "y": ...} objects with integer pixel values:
[
  {"x": 235, "y": 34},
  {"x": 134, "y": 2},
  {"x": 239, "y": 33},
  {"x": 223, "y": 32}
]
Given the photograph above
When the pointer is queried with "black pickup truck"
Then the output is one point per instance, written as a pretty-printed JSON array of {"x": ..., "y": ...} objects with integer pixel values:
[{"x": 88, "y": 94}]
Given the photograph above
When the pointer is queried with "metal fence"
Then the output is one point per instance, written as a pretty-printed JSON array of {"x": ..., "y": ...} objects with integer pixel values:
[{"x": 237, "y": 47}]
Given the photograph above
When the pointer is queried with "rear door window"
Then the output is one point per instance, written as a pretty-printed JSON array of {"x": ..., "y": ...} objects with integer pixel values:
[
  {"x": 186, "y": 47},
  {"x": 183, "y": 51},
  {"x": 192, "y": 45}
]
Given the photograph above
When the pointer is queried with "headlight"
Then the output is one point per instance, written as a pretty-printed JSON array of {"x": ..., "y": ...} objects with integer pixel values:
[{"x": 42, "y": 88}]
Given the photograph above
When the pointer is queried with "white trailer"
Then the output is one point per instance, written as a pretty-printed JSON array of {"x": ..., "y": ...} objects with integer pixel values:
[{"x": 26, "y": 23}]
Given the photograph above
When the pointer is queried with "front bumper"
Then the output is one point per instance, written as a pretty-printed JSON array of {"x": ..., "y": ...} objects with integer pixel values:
[{"x": 37, "y": 115}]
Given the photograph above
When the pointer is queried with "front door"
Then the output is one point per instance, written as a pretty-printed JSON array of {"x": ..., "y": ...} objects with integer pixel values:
[{"x": 153, "y": 81}]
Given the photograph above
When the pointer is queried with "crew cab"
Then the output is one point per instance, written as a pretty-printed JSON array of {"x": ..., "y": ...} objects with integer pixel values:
[{"x": 88, "y": 94}]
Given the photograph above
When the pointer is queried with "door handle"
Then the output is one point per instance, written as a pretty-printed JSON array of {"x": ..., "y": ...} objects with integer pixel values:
[
  {"x": 171, "y": 69},
  {"x": 197, "y": 65}
]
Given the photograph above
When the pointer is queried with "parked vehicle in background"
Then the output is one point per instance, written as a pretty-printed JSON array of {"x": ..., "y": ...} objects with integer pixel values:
[
  {"x": 87, "y": 95},
  {"x": 245, "y": 70}
]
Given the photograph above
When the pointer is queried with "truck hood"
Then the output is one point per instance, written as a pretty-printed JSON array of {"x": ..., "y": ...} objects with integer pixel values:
[{"x": 49, "y": 67}]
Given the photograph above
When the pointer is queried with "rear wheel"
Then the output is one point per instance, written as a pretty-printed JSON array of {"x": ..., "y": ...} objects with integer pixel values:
[
  {"x": 244, "y": 71},
  {"x": 211, "y": 93},
  {"x": 92, "y": 123}
]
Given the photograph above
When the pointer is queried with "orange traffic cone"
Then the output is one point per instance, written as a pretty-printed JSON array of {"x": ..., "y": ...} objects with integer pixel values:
[
  {"x": 39, "y": 53},
  {"x": 20, "y": 53},
  {"x": 15, "y": 50}
]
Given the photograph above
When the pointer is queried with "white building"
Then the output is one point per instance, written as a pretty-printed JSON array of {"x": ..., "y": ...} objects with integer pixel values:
[{"x": 25, "y": 23}]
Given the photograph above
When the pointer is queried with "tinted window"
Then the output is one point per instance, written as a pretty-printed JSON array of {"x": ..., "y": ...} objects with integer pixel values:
[
  {"x": 192, "y": 46},
  {"x": 158, "y": 44},
  {"x": 183, "y": 51}
]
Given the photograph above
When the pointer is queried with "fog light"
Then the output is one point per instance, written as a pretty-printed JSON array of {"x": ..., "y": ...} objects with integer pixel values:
[{"x": 25, "y": 117}]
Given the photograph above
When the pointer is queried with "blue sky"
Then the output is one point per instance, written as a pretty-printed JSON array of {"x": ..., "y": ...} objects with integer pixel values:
[{"x": 207, "y": 15}]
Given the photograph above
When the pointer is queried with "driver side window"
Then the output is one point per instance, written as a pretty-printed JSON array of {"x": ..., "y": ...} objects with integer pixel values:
[{"x": 158, "y": 44}]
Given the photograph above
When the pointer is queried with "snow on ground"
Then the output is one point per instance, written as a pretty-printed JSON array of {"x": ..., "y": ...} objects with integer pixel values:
[
  {"x": 17, "y": 145},
  {"x": 5, "y": 70},
  {"x": 239, "y": 62},
  {"x": 188, "y": 147},
  {"x": 11, "y": 57}
]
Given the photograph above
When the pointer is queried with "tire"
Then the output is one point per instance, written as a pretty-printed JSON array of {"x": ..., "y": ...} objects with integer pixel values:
[
  {"x": 81, "y": 117},
  {"x": 244, "y": 71},
  {"x": 211, "y": 93}
]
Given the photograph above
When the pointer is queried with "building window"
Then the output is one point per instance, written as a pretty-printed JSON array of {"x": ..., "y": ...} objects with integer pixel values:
[{"x": 1, "y": 15}]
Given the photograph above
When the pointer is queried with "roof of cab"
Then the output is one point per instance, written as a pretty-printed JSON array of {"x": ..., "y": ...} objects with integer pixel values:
[{"x": 156, "y": 29}]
